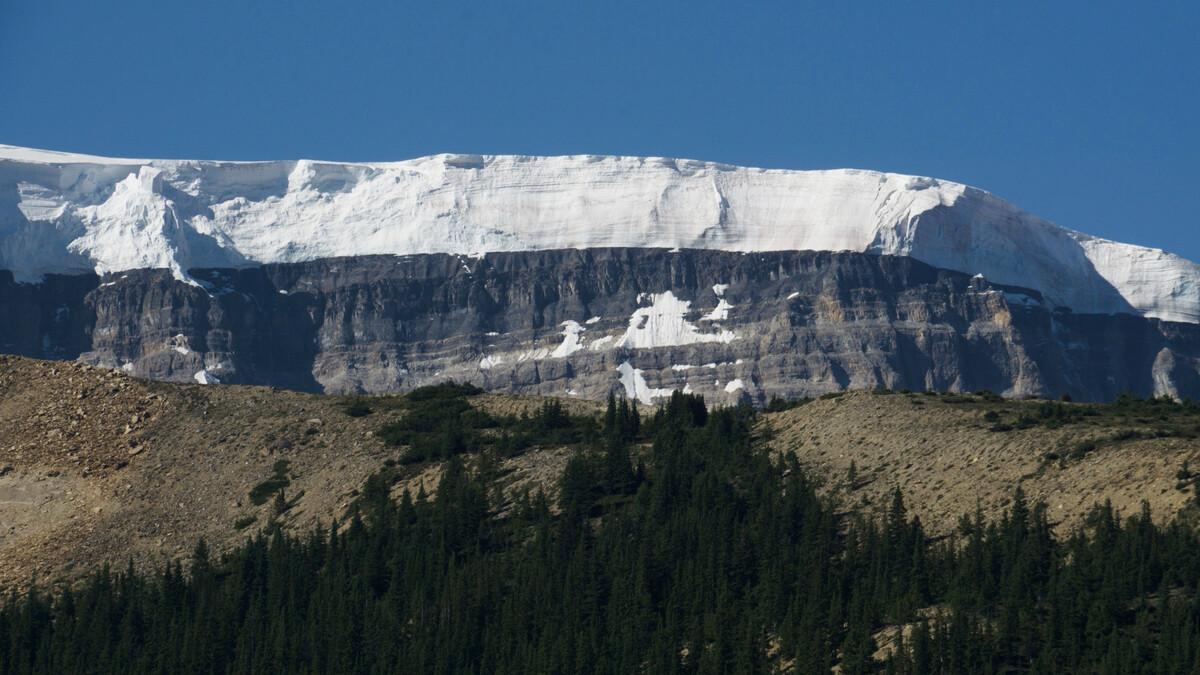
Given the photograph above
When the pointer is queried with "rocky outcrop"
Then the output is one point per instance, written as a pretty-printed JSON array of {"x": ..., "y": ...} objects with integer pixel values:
[{"x": 731, "y": 326}]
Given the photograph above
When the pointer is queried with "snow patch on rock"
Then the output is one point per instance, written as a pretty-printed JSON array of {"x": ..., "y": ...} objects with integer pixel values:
[
  {"x": 720, "y": 312},
  {"x": 179, "y": 344},
  {"x": 601, "y": 343},
  {"x": 570, "y": 344},
  {"x": 662, "y": 324},
  {"x": 636, "y": 387},
  {"x": 204, "y": 377}
]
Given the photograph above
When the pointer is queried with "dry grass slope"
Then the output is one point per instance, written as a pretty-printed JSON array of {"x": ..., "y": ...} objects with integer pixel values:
[
  {"x": 942, "y": 452},
  {"x": 96, "y": 466}
]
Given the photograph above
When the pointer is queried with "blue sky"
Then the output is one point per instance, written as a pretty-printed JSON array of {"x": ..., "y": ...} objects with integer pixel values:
[{"x": 1083, "y": 112}]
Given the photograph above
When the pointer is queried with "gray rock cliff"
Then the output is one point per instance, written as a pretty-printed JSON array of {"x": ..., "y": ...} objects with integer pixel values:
[{"x": 643, "y": 322}]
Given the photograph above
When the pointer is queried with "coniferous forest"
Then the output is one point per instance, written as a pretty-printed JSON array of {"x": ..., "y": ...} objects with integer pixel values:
[{"x": 675, "y": 544}]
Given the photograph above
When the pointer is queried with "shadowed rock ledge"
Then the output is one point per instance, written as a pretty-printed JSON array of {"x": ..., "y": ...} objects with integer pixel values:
[{"x": 583, "y": 323}]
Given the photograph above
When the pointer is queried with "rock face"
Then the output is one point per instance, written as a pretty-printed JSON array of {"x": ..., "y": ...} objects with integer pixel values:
[{"x": 731, "y": 326}]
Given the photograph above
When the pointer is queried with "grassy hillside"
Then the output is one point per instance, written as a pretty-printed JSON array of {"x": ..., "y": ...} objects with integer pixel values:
[
  {"x": 948, "y": 452},
  {"x": 678, "y": 540},
  {"x": 97, "y": 466}
]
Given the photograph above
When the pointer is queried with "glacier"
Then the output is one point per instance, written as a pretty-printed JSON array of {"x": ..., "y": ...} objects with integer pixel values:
[{"x": 63, "y": 213}]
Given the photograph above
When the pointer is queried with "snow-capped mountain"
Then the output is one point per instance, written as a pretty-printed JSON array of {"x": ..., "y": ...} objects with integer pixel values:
[
  {"x": 64, "y": 213},
  {"x": 576, "y": 276}
]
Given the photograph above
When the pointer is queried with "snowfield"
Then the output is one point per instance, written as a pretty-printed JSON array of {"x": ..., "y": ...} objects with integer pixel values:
[{"x": 64, "y": 213}]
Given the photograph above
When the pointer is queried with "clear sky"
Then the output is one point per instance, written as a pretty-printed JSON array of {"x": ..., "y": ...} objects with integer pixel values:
[{"x": 1087, "y": 113}]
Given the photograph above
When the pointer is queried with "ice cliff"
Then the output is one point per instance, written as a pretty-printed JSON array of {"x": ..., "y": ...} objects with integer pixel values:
[{"x": 65, "y": 213}]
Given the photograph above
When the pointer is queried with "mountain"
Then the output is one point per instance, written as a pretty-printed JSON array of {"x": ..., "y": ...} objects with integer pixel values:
[{"x": 576, "y": 276}]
